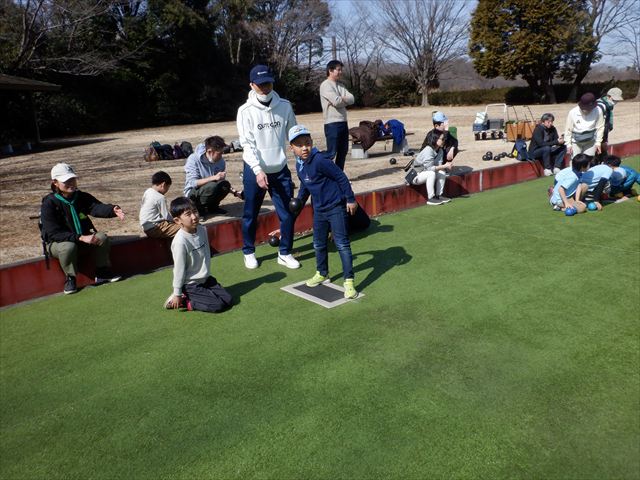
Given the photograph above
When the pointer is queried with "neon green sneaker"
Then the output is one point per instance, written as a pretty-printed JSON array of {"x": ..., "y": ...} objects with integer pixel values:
[
  {"x": 316, "y": 280},
  {"x": 349, "y": 289}
]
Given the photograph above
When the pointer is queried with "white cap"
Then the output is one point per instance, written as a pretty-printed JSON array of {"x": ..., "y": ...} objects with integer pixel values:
[
  {"x": 62, "y": 172},
  {"x": 295, "y": 132},
  {"x": 616, "y": 94}
]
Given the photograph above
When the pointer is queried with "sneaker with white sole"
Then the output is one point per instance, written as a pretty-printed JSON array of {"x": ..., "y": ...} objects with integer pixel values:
[
  {"x": 250, "y": 261},
  {"x": 556, "y": 171},
  {"x": 104, "y": 275},
  {"x": 316, "y": 280},
  {"x": 434, "y": 201},
  {"x": 547, "y": 172},
  {"x": 288, "y": 261},
  {"x": 444, "y": 199},
  {"x": 70, "y": 285},
  {"x": 349, "y": 289}
]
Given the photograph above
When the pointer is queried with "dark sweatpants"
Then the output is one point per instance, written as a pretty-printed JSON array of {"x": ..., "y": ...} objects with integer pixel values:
[{"x": 209, "y": 296}]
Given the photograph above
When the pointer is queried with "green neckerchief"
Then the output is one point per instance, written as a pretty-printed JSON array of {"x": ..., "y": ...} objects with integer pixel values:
[{"x": 74, "y": 214}]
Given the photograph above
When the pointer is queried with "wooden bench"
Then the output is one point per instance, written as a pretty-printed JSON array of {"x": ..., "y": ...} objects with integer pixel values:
[{"x": 358, "y": 152}]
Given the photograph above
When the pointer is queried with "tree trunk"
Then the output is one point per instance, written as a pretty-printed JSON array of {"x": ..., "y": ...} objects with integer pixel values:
[
  {"x": 425, "y": 98},
  {"x": 550, "y": 93}
]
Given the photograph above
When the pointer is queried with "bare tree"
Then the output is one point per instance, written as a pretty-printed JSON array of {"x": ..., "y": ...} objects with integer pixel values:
[
  {"x": 426, "y": 34},
  {"x": 69, "y": 36},
  {"x": 628, "y": 37},
  {"x": 361, "y": 52},
  {"x": 291, "y": 30},
  {"x": 601, "y": 18}
]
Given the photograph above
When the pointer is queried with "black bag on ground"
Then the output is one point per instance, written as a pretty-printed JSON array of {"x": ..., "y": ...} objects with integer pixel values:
[
  {"x": 187, "y": 148},
  {"x": 359, "y": 221}
]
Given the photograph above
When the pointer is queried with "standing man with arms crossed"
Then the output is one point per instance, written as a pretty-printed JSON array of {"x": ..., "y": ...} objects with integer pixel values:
[
  {"x": 335, "y": 98},
  {"x": 263, "y": 122}
]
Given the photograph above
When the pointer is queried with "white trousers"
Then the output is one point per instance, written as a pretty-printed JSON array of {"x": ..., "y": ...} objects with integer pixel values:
[{"x": 434, "y": 180}]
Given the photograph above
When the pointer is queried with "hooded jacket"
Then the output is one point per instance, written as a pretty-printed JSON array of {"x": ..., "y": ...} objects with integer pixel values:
[
  {"x": 198, "y": 166},
  {"x": 263, "y": 132}
]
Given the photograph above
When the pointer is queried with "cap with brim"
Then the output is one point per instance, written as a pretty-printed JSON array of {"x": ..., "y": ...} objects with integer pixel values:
[
  {"x": 261, "y": 74},
  {"x": 587, "y": 102},
  {"x": 616, "y": 94},
  {"x": 63, "y": 172},
  {"x": 439, "y": 117},
  {"x": 298, "y": 130}
]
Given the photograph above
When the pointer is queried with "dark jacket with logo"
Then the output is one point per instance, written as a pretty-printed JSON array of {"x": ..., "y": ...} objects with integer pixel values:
[{"x": 57, "y": 221}]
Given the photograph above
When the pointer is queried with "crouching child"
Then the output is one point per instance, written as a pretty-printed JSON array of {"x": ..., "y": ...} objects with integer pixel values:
[
  {"x": 332, "y": 198},
  {"x": 193, "y": 286},
  {"x": 566, "y": 185}
]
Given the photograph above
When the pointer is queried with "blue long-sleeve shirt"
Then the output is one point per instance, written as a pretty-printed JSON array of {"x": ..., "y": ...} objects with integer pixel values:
[{"x": 323, "y": 180}]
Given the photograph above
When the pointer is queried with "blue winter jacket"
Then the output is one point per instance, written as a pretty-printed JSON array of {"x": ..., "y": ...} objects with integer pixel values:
[{"x": 324, "y": 181}]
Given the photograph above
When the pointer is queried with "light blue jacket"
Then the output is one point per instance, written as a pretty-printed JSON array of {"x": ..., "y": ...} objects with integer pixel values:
[{"x": 198, "y": 166}]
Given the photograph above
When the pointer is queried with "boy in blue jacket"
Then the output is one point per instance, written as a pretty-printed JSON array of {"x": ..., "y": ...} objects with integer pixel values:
[{"x": 332, "y": 197}]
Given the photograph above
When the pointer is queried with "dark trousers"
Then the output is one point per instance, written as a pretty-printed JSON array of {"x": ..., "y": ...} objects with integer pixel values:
[
  {"x": 209, "y": 195},
  {"x": 594, "y": 195},
  {"x": 281, "y": 190},
  {"x": 209, "y": 296},
  {"x": 549, "y": 154},
  {"x": 336, "y": 220},
  {"x": 337, "y": 135}
]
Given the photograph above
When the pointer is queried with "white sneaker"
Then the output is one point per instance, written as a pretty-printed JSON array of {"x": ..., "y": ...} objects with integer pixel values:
[
  {"x": 556, "y": 171},
  {"x": 288, "y": 261},
  {"x": 250, "y": 261},
  {"x": 547, "y": 172}
]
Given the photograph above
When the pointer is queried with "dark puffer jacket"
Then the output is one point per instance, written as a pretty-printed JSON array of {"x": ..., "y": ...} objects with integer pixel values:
[{"x": 366, "y": 134}]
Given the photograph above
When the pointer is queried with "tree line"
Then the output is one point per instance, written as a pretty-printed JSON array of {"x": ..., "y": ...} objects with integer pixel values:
[{"x": 126, "y": 64}]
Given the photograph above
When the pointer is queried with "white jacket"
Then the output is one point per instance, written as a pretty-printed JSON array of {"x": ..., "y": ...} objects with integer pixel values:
[
  {"x": 263, "y": 132},
  {"x": 578, "y": 122}
]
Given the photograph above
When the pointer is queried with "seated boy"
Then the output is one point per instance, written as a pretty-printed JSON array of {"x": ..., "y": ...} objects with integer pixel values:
[
  {"x": 622, "y": 179},
  {"x": 205, "y": 182},
  {"x": 332, "y": 198},
  {"x": 154, "y": 214},
  {"x": 566, "y": 184},
  {"x": 193, "y": 285},
  {"x": 592, "y": 184}
]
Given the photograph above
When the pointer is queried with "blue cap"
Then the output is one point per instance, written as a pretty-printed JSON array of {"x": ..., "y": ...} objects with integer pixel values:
[
  {"x": 439, "y": 117},
  {"x": 295, "y": 132},
  {"x": 261, "y": 74}
]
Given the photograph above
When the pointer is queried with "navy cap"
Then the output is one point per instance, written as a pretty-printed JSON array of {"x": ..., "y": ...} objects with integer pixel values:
[{"x": 261, "y": 74}]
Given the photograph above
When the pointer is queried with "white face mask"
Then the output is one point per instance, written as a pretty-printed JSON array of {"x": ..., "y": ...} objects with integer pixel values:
[{"x": 265, "y": 98}]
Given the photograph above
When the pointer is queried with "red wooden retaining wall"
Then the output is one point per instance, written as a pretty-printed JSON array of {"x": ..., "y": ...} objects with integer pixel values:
[{"x": 32, "y": 279}]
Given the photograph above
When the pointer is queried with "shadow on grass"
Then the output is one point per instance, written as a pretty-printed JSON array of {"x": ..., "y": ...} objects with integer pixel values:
[
  {"x": 380, "y": 262},
  {"x": 240, "y": 289}
]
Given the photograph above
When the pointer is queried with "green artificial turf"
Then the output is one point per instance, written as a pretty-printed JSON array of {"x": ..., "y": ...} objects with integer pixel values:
[{"x": 497, "y": 339}]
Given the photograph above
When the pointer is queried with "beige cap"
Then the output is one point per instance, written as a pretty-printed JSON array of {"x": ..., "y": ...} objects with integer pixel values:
[{"x": 616, "y": 94}]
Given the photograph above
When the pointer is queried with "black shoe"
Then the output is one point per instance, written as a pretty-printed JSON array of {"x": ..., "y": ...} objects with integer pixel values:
[
  {"x": 104, "y": 275},
  {"x": 70, "y": 285},
  {"x": 218, "y": 211}
]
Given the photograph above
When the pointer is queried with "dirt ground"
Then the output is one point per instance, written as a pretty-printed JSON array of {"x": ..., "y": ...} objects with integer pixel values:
[{"x": 111, "y": 166}]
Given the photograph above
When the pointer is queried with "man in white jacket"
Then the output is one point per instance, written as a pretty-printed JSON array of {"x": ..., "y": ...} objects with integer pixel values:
[
  {"x": 335, "y": 98},
  {"x": 263, "y": 122}
]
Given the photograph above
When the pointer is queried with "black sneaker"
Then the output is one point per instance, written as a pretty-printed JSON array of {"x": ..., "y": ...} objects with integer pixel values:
[
  {"x": 218, "y": 211},
  {"x": 104, "y": 275},
  {"x": 70, "y": 285}
]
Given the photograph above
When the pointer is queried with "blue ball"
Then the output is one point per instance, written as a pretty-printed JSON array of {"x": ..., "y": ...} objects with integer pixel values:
[
  {"x": 570, "y": 211},
  {"x": 592, "y": 206}
]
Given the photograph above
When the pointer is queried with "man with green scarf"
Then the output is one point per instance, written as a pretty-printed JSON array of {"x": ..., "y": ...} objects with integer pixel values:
[{"x": 67, "y": 228}]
